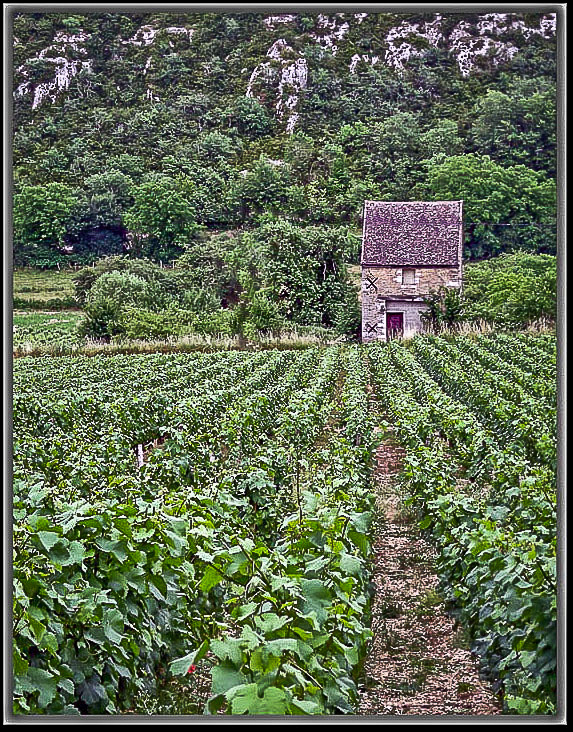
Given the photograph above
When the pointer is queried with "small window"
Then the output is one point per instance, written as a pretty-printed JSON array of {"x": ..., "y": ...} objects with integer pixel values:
[{"x": 408, "y": 276}]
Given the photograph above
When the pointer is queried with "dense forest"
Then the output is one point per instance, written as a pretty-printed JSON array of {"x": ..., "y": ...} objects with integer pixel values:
[{"x": 242, "y": 146}]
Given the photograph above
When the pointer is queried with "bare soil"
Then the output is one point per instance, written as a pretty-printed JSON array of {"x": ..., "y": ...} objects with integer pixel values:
[{"x": 419, "y": 662}]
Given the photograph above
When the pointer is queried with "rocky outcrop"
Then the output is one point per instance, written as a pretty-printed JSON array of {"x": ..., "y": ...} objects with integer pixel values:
[{"x": 280, "y": 78}]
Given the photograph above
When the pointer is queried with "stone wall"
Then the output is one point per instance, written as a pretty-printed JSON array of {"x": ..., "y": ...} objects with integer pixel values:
[
  {"x": 374, "y": 313},
  {"x": 381, "y": 283},
  {"x": 388, "y": 280}
]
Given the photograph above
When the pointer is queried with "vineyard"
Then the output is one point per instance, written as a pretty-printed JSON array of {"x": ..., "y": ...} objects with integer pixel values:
[{"x": 211, "y": 514}]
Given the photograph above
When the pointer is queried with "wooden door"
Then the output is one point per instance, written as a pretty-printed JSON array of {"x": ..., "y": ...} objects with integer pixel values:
[{"x": 394, "y": 325}]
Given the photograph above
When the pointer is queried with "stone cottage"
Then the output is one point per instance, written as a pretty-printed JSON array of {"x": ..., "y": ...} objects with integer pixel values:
[{"x": 409, "y": 249}]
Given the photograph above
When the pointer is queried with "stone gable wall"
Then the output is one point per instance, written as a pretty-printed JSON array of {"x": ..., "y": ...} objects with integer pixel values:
[
  {"x": 388, "y": 280},
  {"x": 387, "y": 283}
]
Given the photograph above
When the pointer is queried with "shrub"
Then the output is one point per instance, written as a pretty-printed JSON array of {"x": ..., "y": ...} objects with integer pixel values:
[
  {"x": 103, "y": 319},
  {"x": 125, "y": 288},
  {"x": 445, "y": 309},
  {"x": 512, "y": 290},
  {"x": 85, "y": 279},
  {"x": 347, "y": 317},
  {"x": 144, "y": 324},
  {"x": 262, "y": 316}
]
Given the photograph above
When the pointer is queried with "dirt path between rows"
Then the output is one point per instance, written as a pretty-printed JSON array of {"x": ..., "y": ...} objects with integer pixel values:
[{"x": 418, "y": 663}]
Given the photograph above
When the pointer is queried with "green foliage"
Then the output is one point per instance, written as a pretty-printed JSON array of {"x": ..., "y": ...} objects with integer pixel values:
[
  {"x": 125, "y": 570},
  {"x": 259, "y": 315},
  {"x": 158, "y": 279},
  {"x": 41, "y": 218},
  {"x": 141, "y": 324},
  {"x": 102, "y": 319},
  {"x": 304, "y": 270},
  {"x": 250, "y": 118},
  {"x": 210, "y": 265},
  {"x": 112, "y": 298},
  {"x": 518, "y": 126},
  {"x": 162, "y": 219},
  {"x": 477, "y": 417},
  {"x": 511, "y": 290},
  {"x": 445, "y": 309},
  {"x": 242, "y": 543},
  {"x": 126, "y": 288},
  {"x": 505, "y": 208},
  {"x": 159, "y": 136},
  {"x": 263, "y": 188}
]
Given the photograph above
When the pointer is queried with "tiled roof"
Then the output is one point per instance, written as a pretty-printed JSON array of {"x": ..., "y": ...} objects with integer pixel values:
[{"x": 412, "y": 233}]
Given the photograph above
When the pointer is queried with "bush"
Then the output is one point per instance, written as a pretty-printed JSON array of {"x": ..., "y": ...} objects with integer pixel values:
[
  {"x": 216, "y": 323},
  {"x": 445, "y": 309},
  {"x": 262, "y": 317},
  {"x": 103, "y": 319},
  {"x": 164, "y": 280},
  {"x": 347, "y": 317},
  {"x": 144, "y": 324},
  {"x": 200, "y": 300},
  {"x": 125, "y": 288},
  {"x": 512, "y": 289}
]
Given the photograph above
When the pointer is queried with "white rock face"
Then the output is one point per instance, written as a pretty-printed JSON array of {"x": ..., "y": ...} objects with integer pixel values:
[
  {"x": 146, "y": 34},
  {"x": 263, "y": 69},
  {"x": 291, "y": 123},
  {"x": 272, "y": 21},
  {"x": 365, "y": 58},
  {"x": 468, "y": 49},
  {"x": 466, "y": 42},
  {"x": 65, "y": 68},
  {"x": 335, "y": 31},
  {"x": 292, "y": 78},
  {"x": 22, "y": 89},
  {"x": 398, "y": 54},
  {"x": 276, "y": 50},
  {"x": 63, "y": 53},
  {"x": 181, "y": 31},
  {"x": 64, "y": 42},
  {"x": 64, "y": 73}
]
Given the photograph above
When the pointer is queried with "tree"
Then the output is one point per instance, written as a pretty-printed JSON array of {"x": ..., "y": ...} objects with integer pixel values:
[
  {"x": 303, "y": 270},
  {"x": 442, "y": 138},
  {"x": 505, "y": 209},
  {"x": 162, "y": 219},
  {"x": 96, "y": 228},
  {"x": 211, "y": 266},
  {"x": 250, "y": 118},
  {"x": 263, "y": 187},
  {"x": 163, "y": 280},
  {"x": 42, "y": 215},
  {"x": 517, "y": 127}
]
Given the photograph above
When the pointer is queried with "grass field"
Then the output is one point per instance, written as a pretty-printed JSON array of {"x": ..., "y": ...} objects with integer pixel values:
[{"x": 42, "y": 285}]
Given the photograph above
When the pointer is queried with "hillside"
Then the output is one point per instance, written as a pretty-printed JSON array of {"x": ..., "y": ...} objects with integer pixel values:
[{"x": 223, "y": 118}]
